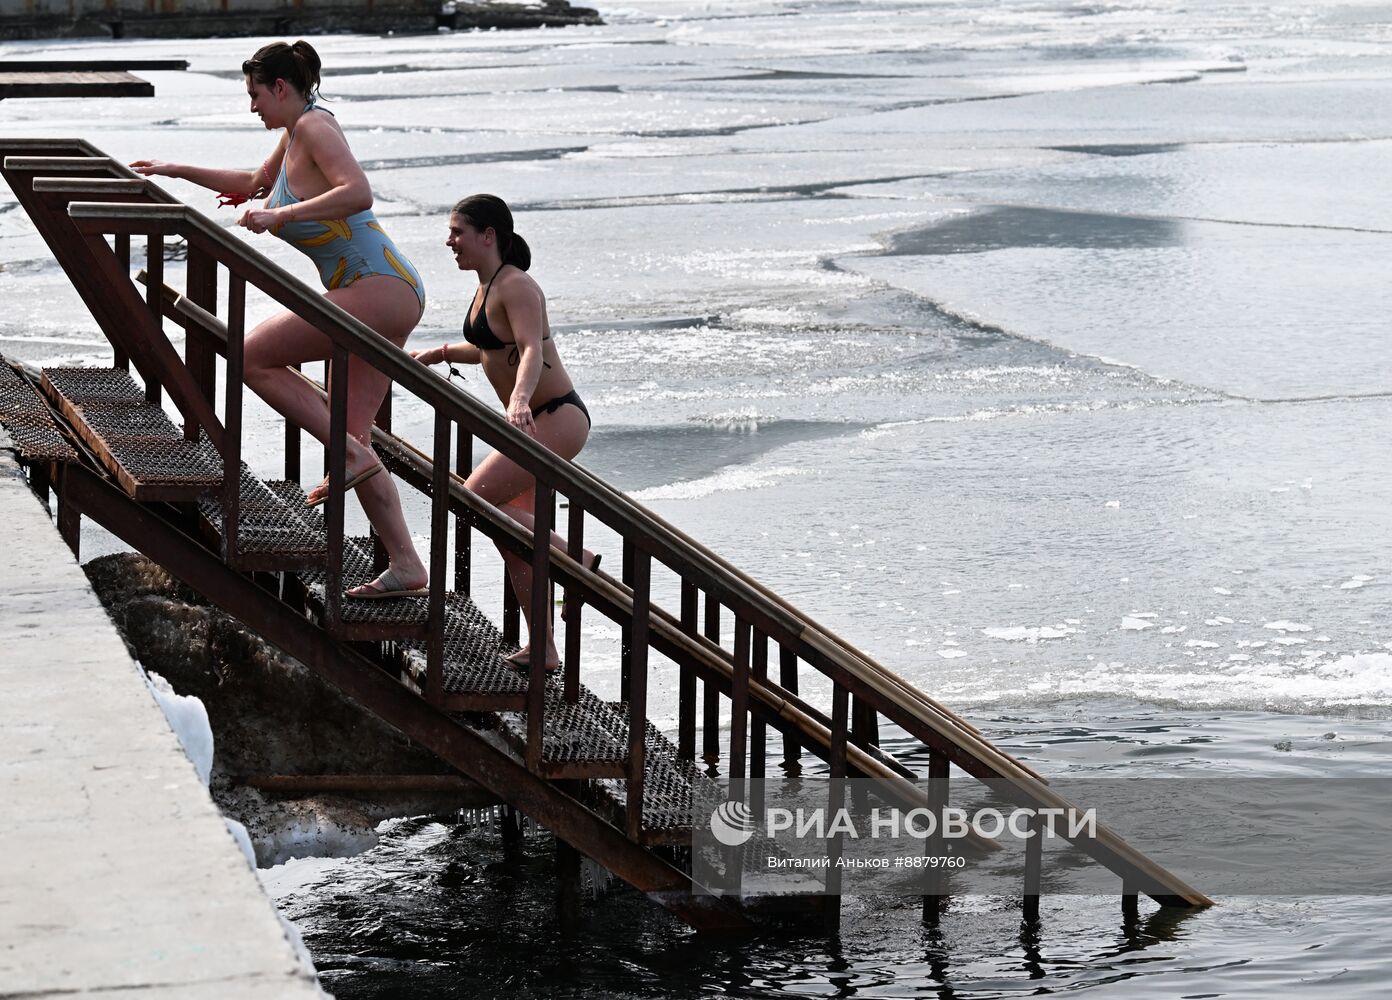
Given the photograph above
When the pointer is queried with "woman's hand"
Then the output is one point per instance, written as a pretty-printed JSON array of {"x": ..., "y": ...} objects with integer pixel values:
[
  {"x": 430, "y": 355},
  {"x": 155, "y": 168},
  {"x": 258, "y": 220},
  {"x": 519, "y": 414}
]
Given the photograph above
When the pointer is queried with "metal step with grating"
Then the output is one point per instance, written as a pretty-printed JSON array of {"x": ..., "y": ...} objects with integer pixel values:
[
  {"x": 669, "y": 788},
  {"x": 367, "y": 620},
  {"x": 29, "y": 419},
  {"x": 134, "y": 439},
  {"x": 275, "y": 531},
  {"x": 477, "y": 677},
  {"x": 584, "y": 739}
]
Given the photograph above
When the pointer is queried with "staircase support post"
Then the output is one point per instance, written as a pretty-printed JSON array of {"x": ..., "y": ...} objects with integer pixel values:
[
  {"x": 935, "y": 899},
  {"x": 686, "y": 684},
  {"x": 638, "y": 695},
  {"x": 710, "y": 721},
  {"x": 1034, "y": 864}
]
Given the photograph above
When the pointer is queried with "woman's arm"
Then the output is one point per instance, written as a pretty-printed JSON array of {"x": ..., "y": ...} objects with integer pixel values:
[
  {"x": 462, "y": 352},
  {"x": 521, "y": 300},
  {"x": 216, "y": 179}
]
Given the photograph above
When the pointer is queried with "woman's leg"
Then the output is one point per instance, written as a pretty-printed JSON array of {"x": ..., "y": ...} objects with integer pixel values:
[
  {"x": 509, "y": 487},
  {"x": 388, "y": 306}
]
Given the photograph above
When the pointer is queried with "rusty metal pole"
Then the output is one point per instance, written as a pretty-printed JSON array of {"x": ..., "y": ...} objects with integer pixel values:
[
  {"x": 199, "y": 354},
  {"x": 638, "y": 694},
  {"x": 1034, "y": 864},
  {"x": 758, "y": 731},
  {"x": 739, "y": 710},
  {"x": 119, "y": 358},
  {"x": 574, "y": 603},
  {"x": 154, "y": 267},
  {"x": 540, "y": 632},
  {"x": 338, "y": 456},
  {"x": 934, "y": 900},
  {"x": 292, "y": 447},
  {"x": 568, "y": 886},
  {"x": 380, "y": 557},
  {"x": 710, "y": 721},
  {"x": 439, "y": 542},
  {"x": 69, "y": 517},
  {"x": 232, "y": 421},
  {"x": 626, "y": 639},
  {"x": 788, "y": 678},
  {"x": 463, "y": 538},
  {"x": 840, "y": 710},
  {"x": 686, "y": 684}
]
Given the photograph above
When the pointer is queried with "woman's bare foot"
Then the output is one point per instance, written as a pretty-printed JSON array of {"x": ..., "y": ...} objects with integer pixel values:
[{"x": 522, "y": 659}]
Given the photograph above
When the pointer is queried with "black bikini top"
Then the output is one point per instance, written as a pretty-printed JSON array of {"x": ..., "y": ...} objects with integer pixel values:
[{"x": 476, "y": 330}]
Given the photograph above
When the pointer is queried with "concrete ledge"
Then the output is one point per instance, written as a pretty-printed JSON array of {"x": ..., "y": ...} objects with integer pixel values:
[{"x": 116, "y": 870}]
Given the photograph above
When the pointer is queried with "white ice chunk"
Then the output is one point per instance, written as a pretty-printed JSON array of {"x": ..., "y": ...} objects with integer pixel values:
[{"x": 189, "y": 719}]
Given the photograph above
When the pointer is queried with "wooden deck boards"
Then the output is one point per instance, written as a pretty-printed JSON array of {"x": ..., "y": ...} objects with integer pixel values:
[{"x": 73, "y": 83}]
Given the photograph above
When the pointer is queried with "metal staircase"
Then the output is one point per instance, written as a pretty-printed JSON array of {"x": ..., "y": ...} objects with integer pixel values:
[{"x": 596, "y": 773}]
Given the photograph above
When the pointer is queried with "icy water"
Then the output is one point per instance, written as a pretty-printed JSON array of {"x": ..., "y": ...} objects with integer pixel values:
[{"x": 1040, "y": 348}]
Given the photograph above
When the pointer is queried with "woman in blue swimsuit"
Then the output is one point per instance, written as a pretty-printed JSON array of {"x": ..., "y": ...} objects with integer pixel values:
[
  {"x": 320, "y": 203},
  {"x": 506, "y": 331}
]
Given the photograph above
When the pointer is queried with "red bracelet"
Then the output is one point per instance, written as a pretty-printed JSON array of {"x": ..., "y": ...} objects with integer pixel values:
[{"x": 444, "y": 352}]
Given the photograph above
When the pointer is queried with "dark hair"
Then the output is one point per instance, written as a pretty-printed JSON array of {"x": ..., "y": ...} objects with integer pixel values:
[
  {"x": 298, "y": 65},
  {"x": 485, "y": 211}
]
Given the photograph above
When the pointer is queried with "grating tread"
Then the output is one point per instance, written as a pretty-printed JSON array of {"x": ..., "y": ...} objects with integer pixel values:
[
  {"x": 138, "y": 435},
  {"x": 474, "y": 651},
  {"x": 28, "y": 419},
  {"x": 588, "y": 731},
  {"x": 669, "y": 784},
  {"x": 357, "y": 569},
  {"x": 270, "y": 521},
  {"x": 95, "y": 385}
]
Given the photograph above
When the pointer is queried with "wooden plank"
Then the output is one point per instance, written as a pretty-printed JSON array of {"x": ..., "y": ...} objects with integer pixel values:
[
  {"x": 74, "y": 84},
  {"x": 92, "y": 65}
]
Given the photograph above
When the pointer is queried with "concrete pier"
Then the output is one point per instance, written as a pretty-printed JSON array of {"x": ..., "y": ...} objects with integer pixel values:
[{"x": 116, "y": 870}]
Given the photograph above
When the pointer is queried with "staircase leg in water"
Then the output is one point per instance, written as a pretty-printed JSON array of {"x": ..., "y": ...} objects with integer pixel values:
[
  {"x": 510, "y": 826},
  {"x": 567, "y": 887}
]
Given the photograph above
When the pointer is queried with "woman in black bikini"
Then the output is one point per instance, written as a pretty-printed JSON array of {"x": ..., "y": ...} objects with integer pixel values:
[{"x": 507, "y": 332}]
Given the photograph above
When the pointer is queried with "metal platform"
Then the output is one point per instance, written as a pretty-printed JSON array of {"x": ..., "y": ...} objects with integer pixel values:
[
  {"x": 28, "y": 419},
  {"x": 134, "y": 439}
]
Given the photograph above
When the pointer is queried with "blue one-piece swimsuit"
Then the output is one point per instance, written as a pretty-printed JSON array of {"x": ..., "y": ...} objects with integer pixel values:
[{"x": 344, "y": 250}]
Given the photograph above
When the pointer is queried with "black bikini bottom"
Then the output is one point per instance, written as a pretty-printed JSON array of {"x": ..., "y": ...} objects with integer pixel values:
[{"x": 572, "y": 397}]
